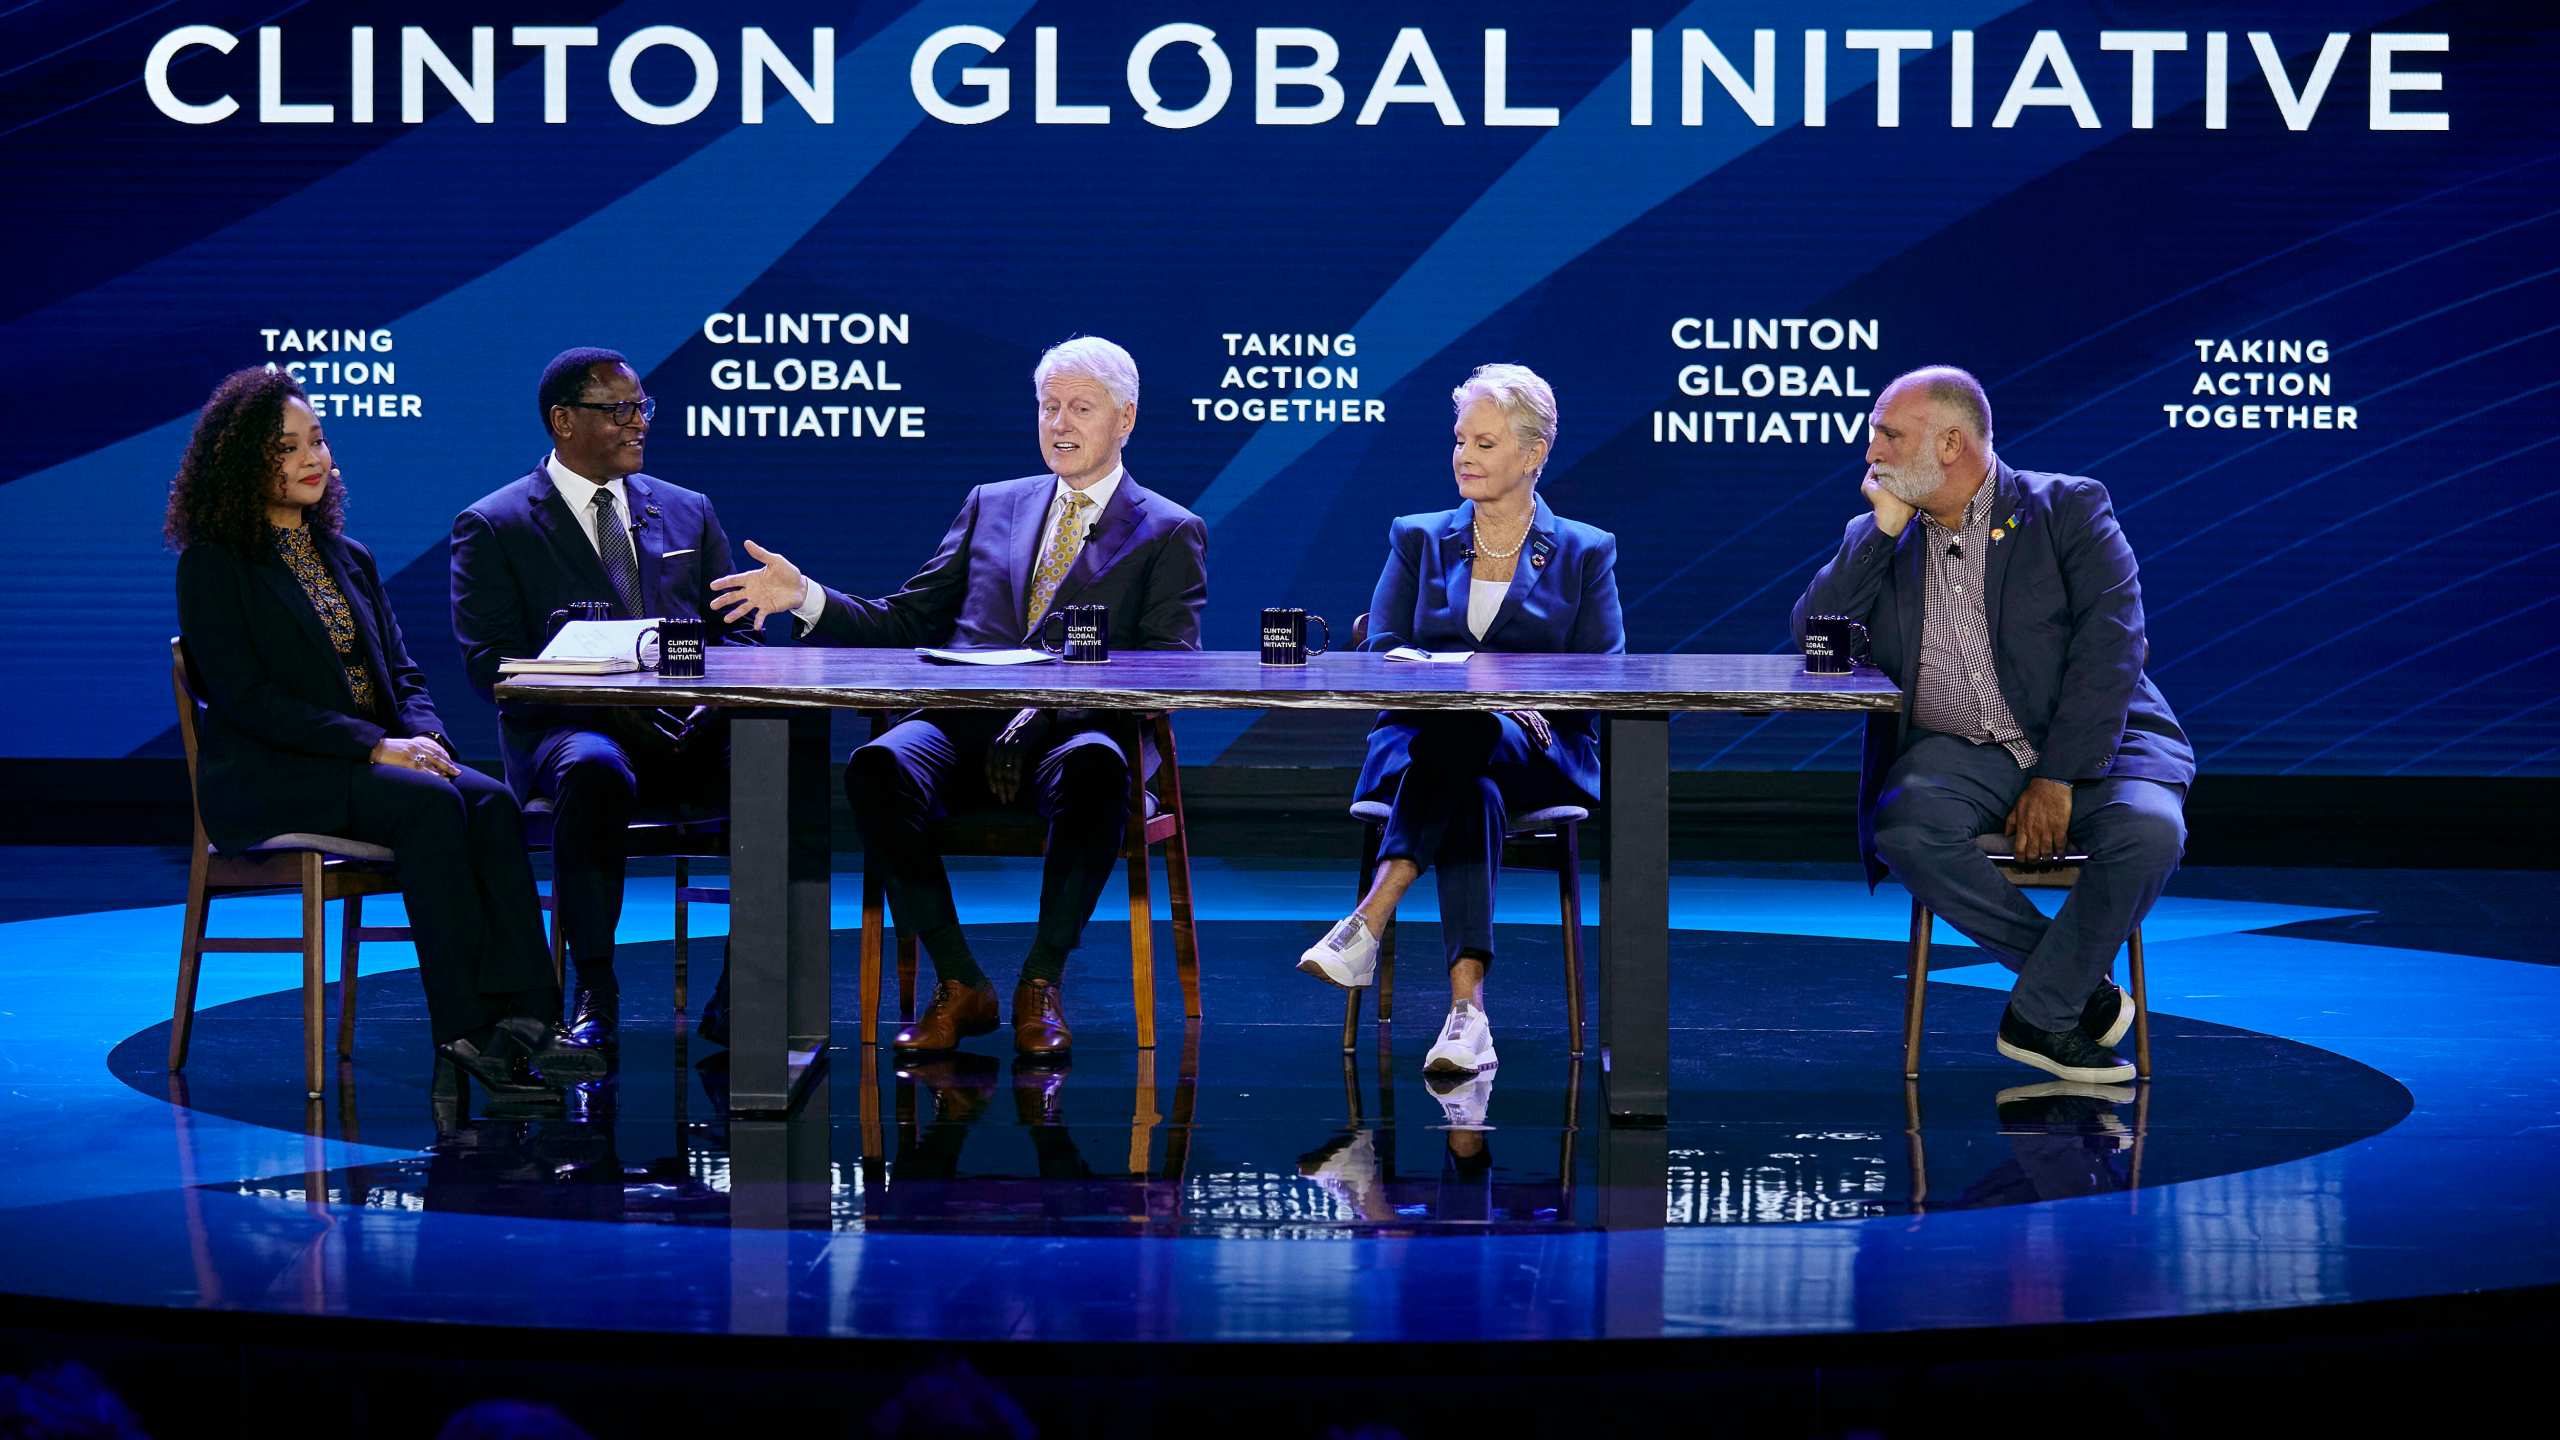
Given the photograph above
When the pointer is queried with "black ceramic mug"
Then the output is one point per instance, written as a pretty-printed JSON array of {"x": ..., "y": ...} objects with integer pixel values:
[
  {"x": 576, "y": 610},
  {"x": 1083, "y": 634},
  {"x": 679, "y": 651},
  {"x": 1833, "y": 645},
  {"x": 1284, "y": 635}
]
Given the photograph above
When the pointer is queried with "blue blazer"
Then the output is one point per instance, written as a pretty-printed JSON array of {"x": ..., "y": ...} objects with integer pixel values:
[
  {"x": 2064, "y": 599},
  {"x": 519, "y": 553},
  {"x": 1563, "y": 598},
  {"x": 281, "y": 733},
  {"x": 1145, "y": 557}
]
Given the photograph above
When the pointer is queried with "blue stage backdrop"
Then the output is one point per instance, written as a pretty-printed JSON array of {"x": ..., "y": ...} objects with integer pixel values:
[{"x": 2281, "y": 274}]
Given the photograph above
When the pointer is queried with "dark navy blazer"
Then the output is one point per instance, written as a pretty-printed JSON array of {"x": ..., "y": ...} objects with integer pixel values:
[
  {"x": 1144, "y": 557},
  {"x": 2064, "y": 599},
  {"x": 281, "y": 733},
  {"x": 1563, "y": 598},
  {"x": 519, "y": 553}
]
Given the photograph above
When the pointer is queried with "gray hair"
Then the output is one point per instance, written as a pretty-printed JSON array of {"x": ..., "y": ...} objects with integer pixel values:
[
  {"x": 1958, "y": 392},
  {"x": 1524, "y": 399},
  {"x": 1095, "y": 359}
]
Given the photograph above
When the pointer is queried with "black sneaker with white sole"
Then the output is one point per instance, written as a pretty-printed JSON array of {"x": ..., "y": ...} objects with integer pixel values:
[
  {"x": 2108, "y": 1015},
  {"x": 2066, "y": 1054}
]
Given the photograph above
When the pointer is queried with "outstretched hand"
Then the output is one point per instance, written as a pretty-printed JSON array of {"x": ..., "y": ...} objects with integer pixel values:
[{"x": 775, "y": 588}]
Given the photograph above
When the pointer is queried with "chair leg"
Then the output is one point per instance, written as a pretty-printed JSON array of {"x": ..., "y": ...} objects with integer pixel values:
[
  {"x": 315, "y": 966},
  {"x": 1569, "y": 898},
  {"x": 1387, "y": 975},
  {"x": 351, "y": 915},
  {"x": 2141, "y": 1007},
  {"x": 1915, "y": 1001},
  {"x": 1359, "y": 892},
  {"x": 874, "y": 908},
  {"x": 684, "y": 935},
  {"x": 182, "y": 1015},
  {"x": 1186, "y": 931},
  {"x": 1142, "y": 942},
  {"x": 1177, "y": 868}
]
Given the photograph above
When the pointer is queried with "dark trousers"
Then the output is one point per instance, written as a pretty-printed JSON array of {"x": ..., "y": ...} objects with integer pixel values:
[
  {"x": 1451, "y": 805},
  {"x": 1944, "y": 791},
  {"x": 596, "y": 785},
  {"x": 468, "y": 887},
  {"x": 934, "y": 765}
]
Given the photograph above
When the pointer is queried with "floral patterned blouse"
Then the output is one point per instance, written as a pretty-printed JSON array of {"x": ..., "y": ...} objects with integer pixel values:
[{"x": 303, "y": 559}]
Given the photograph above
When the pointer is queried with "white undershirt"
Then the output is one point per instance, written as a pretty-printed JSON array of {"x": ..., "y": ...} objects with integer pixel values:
[{"x": 1484, "y": 601}]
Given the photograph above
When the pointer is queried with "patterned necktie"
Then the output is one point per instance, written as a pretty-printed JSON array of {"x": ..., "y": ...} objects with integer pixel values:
[
  {"x": 1064, "y": 542},
  {"x": 613, "y": 546}
]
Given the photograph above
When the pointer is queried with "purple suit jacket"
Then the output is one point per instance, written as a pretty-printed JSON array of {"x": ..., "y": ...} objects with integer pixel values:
[{"x": 1145, "y": 559}]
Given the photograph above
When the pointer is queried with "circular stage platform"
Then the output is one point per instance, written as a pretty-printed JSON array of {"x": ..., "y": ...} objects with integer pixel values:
[{"x": 2333, "y": 1123}]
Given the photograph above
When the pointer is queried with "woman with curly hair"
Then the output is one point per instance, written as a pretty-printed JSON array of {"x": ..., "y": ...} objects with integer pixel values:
[{"x": 317, "y": 722}]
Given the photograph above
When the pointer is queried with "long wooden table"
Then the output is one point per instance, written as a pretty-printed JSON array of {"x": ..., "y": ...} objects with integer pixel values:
[{"x": 781, "y": 773}]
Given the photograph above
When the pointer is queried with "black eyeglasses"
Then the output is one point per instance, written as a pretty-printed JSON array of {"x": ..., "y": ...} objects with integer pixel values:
[{"x": 622, "y": 411}]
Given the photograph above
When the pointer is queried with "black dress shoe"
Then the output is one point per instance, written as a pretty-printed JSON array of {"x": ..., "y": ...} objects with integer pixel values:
[
  {"x": 714, "y": 1024},
  {"x": 595, "y": 1016},
  {"x": 503, "y": 1068},
  {"x": 560, "y": 1057},
  {"x": 2068, "y": 1054}
]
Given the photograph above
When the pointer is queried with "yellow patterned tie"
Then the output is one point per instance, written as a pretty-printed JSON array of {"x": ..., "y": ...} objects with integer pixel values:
[{"x": 1064, "y": 542}]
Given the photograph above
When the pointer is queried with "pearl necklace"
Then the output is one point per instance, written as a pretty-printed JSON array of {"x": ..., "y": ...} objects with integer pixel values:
[{"x": 1487, "y": 551}]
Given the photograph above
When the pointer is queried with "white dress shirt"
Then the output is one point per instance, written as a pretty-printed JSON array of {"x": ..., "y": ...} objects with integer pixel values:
[
  {"x": 813, "y": 596},
  {"x": 580, "y": 492}
]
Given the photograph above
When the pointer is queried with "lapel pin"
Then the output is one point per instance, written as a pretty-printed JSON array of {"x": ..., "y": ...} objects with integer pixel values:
[{"x": 1538, "y": 560}]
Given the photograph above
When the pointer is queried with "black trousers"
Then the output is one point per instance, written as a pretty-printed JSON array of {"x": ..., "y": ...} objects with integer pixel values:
[
  {"x": 468, "y": 887},
  {"x": 934, "y": 765},
  {"x": 596, "y": 785}
]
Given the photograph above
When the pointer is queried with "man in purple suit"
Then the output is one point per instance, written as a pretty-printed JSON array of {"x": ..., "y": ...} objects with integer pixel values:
[{"x": 1085, "y": 533}]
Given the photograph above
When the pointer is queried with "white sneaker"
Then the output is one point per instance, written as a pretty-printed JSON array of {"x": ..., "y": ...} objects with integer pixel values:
[
  {"x": 1463, "y": 1098},
  {"x": 1465, "y": 1046},
  {"x": 1347, "y": 955}
]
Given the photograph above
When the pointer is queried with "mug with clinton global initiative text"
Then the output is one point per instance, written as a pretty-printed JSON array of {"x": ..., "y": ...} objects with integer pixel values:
[
  {"x": 1833, "y": 645},
  {"x": 1084, "y": 634},
  {"x": 1284, "y": 635}
]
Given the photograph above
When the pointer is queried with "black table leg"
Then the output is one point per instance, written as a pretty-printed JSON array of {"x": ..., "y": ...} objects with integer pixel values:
[
  {"x": 1635, "y": 919},
  {"x": 778, "y": 906}
]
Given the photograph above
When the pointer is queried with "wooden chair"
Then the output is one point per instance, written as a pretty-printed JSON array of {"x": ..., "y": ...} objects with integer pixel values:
[
  {"x": 653, "y": 836},
  {"x": 2026, "y": 875},
  {"x": 322, "y": 867},
  {"x": 1015, "y": 833},
  {"x": 1547, "y": 840}
]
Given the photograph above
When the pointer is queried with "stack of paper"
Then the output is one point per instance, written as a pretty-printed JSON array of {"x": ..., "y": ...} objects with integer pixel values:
[{"x": 586, "y": 647}]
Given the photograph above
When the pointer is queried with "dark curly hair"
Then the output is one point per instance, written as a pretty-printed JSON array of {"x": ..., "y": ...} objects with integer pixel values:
[{"x": 229, "y": 470}]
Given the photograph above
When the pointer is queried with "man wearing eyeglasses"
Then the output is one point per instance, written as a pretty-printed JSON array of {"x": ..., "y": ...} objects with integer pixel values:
[{"x": 586, "y": 526}]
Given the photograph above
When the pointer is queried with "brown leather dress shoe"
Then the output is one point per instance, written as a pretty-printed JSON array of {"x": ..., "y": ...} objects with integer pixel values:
[
  {"x": 956, "y": 1012},
  {"x": 1040, "y": 1019}
]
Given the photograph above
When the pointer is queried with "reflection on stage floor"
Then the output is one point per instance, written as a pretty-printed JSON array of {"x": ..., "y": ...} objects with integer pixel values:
[{"x": 1261, "y": 1130}]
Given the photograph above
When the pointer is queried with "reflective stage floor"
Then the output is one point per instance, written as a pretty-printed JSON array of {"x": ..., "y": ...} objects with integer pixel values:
[{"x": 2352, "y": 1105}]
